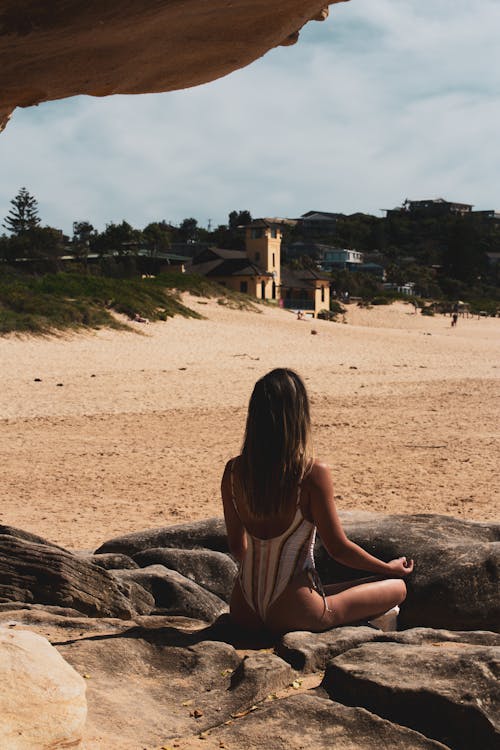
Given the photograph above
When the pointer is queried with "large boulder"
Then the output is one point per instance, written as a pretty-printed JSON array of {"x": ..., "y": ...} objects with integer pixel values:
[
  {"x": 35, "y": 572},
  {"x": 54, "y": 50},
  {"x": 448, "y": 691},
  {"x": 175, "y": 594},
  {"x": 207, "y": 534},
  {"x": 214, "y": 571},
  {"x": 42, "y": 698},
  {"x": 457, "y": 566}
]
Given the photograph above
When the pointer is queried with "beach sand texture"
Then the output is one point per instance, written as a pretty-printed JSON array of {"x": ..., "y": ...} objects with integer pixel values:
[{"x": 405, "y": 411}]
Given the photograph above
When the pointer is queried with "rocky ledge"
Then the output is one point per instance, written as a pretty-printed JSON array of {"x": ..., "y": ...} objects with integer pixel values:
[
  {"x": 143, "y": 620},
  {"x": 54, "y": 50}
]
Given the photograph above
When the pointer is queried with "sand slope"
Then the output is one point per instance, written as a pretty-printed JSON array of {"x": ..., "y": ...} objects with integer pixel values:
[{"x": 405, "y": 411}]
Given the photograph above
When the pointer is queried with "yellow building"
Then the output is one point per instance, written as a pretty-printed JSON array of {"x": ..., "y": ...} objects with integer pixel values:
[{"x": 257, "y": 270}]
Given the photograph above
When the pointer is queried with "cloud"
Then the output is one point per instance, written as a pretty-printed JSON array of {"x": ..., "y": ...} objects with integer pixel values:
[{"x": 383, "y": 101}]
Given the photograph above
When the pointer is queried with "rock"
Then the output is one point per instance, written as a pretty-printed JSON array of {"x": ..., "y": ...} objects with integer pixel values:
[
  {"x": 111, "y": 561},
  {"x": 42, "y": 700},
  {"x": 40, "y": 573},
  {"x": 26, "y": 535},
  {"x": 311, "y": 652},
  {"x": 175, "y": 594},
  {"x": 423, "y": 636},
  {"x": 212, "y": 570},
  {"x": 182, "y": 683},
  {"x": 209, "y": 534},
  {"x": 258, "y": 675},
  {"x": 50, "y": 51},
  {"x": 311, "y": 721},
  {"x": 457, "y": 566},
  {"x": 448, "y": 692}
]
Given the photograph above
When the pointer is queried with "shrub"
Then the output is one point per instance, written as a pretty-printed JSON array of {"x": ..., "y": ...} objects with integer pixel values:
[{"x": 336, "y": 308}]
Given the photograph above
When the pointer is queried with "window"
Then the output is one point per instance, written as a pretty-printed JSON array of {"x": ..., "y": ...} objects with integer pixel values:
[
  {"x": 274, "y": 260},
  {"x": 274, "y": 233},
  {"x": 263, "y": 289},
  {"x": 244, "y": 286},
  {"x": 256, "y": 233},
  {"x": 322, "y": 293},
  {"x": 257, "y": 256}
]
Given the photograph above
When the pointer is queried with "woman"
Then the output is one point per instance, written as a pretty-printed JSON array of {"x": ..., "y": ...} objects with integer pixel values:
[{"x": 275, "y": 497}]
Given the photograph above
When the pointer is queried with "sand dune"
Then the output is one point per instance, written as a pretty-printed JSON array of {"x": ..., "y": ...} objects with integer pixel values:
[{"x": 405, "y": 411}]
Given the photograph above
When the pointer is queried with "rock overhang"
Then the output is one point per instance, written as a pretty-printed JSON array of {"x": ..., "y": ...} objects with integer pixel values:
[{"x": 57, "y": 50}]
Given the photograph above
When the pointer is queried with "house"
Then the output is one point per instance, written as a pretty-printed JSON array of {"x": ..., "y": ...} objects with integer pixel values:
[
  {"x": 257, "y": 271},
  {"x": 306, "y": 289},
  {"x": 340, "y": 258},
  {"x": 234, "y": 270},
  {"x": 408, "y": 288},
  {"x": 254, "y": 271},
  {"x": 318, "y": 223},
  {"x": 431, "y": 207}
]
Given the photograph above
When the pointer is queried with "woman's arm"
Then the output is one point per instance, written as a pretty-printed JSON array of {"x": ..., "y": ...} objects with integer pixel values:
[
  {"x": 235, "y": 530},
  {"x": 338, "y": 546}
]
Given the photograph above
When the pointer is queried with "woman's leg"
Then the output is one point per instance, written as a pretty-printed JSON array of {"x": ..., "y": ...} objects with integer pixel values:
[
  {"x": 364, "y": 601},
  {"x": 335, "y": 588}
]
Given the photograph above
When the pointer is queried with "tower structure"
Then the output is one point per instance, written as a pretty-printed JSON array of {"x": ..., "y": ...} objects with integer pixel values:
[{"x": 263, "y": 247}]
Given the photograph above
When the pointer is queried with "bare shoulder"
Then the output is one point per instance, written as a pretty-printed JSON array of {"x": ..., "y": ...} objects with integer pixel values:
[
  {"x": 318, "y": 480},
  {"x": 319, "y": 473},
  {"x": 230, "y": 467}
]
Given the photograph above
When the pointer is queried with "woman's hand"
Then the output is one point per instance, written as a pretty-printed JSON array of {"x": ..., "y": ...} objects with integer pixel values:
[{"x": 400, "y": 567}]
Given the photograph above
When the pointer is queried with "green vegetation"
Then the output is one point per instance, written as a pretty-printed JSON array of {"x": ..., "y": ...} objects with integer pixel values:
[
  {"x": 62, "y": 301},
  {"x": 445, "y": 257}
]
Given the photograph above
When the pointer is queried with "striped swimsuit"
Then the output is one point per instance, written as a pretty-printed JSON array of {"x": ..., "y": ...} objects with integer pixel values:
[{"x": 270, "y": 564}]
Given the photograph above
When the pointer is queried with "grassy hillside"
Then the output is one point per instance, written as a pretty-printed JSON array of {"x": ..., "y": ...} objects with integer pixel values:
[{"x": 61, "y": 301}]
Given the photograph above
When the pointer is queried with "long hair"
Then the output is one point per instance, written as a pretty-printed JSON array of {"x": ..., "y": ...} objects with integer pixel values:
[{"x": 277, "y": 445}]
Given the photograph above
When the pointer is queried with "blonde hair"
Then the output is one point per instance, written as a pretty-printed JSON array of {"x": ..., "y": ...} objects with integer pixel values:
[{"x": 276, "y": 449}]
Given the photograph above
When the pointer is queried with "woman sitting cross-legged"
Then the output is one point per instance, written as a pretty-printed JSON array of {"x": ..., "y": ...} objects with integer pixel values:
[{"x": 275, "y": 497}]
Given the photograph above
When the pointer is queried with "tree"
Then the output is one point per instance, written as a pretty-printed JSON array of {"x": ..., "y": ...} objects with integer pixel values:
[
  {"x": 188, "y": 230},
  {"x": 239, "y": 218},
  {"x": 122, "y": 239},
  {"x": 84, "y": 235},
  {"x": 23, "y": 215},
  {"x": 157, "y": 237}
]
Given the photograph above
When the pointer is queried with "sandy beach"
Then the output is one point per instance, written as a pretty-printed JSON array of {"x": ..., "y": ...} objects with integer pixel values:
[{"x": 109, "y": 432}]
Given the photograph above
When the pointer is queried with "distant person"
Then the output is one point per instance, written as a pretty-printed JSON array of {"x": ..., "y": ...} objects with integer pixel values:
[
  {"x": 454, "y": 315},
  {"x": 300, "y": 315},
  {"x": 275, "y": 496},
  {"x": 139, "y": 319}
]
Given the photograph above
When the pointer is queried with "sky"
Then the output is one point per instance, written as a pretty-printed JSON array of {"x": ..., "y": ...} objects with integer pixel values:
[{"x": 383, "y": 101}]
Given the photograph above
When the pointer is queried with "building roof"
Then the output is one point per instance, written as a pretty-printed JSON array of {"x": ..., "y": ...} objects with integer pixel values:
[
  {"x": 271, "y": 221},
  {"x": 305, "y": 278},
  {"x": 221, "y": 262},
  {"x": 441, "y": 201},
  {"x": 319, "y": 215}
]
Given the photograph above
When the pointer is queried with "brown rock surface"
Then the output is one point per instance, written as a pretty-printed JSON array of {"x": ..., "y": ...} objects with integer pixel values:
[
  {"x": 40, "y": 573},
  {"x": 447, "y": 691},
  {"x": 42, "y": 699},
  {"x": 54, "y": 50}
]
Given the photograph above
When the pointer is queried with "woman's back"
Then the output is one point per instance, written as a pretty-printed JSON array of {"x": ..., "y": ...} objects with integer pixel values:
[{"x": 278, "y": 549}]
